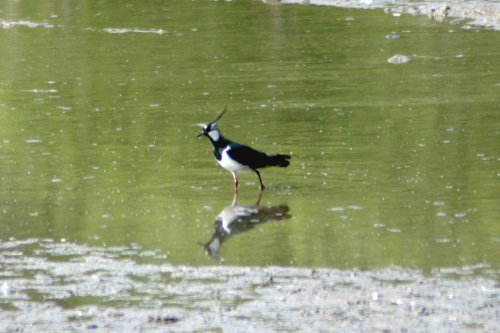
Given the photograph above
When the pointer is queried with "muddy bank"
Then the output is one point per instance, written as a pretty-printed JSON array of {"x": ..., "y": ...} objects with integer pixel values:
[
  {"x": 467, "y": 14},
  {"x": 57, "y": 286}
]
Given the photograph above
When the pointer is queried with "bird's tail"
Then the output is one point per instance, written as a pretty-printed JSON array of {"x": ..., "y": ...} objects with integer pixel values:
[{"x": 278, "y": 160}]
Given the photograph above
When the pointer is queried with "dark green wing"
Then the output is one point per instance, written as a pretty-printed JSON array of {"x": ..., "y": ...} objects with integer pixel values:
[{"x": 248, "y": 156}]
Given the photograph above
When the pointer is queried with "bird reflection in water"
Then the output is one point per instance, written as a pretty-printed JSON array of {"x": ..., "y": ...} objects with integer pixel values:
[{"x": 236, "y": 218}]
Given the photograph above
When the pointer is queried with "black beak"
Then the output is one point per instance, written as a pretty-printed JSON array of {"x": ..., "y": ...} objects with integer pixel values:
[{"x": 202, "y": 126}]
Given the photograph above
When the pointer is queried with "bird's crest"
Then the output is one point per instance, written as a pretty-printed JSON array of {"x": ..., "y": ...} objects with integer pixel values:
[{"x": 221, "y": 114}]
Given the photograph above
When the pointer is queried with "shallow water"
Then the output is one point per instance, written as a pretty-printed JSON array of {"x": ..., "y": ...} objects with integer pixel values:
[
  {"x": 67, "y": 287},
  {"x": 113, "y": 216},
  {"x": 393, "y": 164}
]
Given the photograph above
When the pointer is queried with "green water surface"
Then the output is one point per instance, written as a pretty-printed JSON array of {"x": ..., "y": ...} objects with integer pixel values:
[{"x": 392, "y": 165}]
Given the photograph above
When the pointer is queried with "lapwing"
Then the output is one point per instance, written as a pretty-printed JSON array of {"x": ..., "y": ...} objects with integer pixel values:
[{"x": 235, "y": 157}]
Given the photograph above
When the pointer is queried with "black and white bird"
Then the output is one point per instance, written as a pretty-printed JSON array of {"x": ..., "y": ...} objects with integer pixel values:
[{"x": 235, "y": 157}]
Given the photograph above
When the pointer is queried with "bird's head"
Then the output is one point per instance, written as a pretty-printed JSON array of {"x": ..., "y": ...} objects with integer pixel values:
[{"x": 211, "y": 130}]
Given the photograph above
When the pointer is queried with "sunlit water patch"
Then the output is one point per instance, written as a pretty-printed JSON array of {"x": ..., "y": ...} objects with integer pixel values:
[
  {"x": 6, "y": 24},
  {"x": 134, "y": 30}
]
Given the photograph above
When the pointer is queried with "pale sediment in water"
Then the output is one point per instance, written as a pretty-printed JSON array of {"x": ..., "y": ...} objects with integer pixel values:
[
  {"x": 50, "y": 286},
  {"x": 467, "y": 14},
  {"x": 398, "y": 59}
]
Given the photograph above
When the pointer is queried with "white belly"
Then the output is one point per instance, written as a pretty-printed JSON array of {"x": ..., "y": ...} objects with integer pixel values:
[{"x": 231, "y": 165}]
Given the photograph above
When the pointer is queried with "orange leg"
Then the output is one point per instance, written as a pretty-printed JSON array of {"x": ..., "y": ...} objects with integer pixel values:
[{"x": 236, "y": 182}]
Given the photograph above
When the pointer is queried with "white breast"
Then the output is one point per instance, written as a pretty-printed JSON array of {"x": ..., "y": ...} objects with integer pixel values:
[{"x": 229, "y": 164}]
